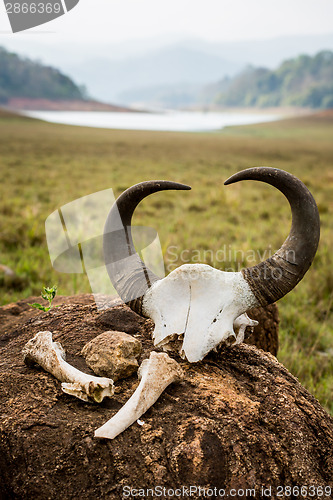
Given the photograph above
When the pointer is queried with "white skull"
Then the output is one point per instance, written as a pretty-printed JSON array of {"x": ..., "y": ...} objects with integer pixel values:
[{"x": 200, "y": 305}]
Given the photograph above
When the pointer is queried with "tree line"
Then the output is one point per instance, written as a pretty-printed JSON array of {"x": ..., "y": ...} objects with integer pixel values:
[
  {"x": 304, "y": 81},
  {"x": 21, "y": 77}
]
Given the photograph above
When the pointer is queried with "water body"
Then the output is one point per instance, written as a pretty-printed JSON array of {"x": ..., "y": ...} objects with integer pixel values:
[{"x": 177, "y": 121}]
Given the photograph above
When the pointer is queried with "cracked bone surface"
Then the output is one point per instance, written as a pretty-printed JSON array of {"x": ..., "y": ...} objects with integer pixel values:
[
  {"x": 50, "y": 356},
  {"x": 155, "y": 374},
  {"x": 201, "y": 304}
]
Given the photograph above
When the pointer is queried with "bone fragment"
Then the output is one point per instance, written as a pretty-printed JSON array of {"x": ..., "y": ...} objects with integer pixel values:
[
  {"x": 240, "y": 325},
  {"x": 51, "y": 356},
  {"x": 155, "y": 374}
]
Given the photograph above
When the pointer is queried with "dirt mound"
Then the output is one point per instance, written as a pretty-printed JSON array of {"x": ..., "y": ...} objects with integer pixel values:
[{"x": 238, "y": 420}]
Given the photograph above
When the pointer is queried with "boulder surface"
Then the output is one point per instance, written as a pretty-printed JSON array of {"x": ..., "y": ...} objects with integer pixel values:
[{"x": 238, "y": 421}]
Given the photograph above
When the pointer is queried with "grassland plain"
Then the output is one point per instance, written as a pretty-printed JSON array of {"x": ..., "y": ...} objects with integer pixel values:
[{"x": 43, "y": 166}]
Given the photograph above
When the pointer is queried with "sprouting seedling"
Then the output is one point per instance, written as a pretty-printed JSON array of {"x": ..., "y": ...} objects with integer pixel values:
[{"x": 47, "y": 294}]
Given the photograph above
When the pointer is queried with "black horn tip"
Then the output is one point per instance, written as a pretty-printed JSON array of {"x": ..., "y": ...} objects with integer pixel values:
[
  {"x": 177, "y": 185},
  {"x": 184, "y": 187},
  {"x": 254, "y": 173},
  {"x": 162, "y": 184}
]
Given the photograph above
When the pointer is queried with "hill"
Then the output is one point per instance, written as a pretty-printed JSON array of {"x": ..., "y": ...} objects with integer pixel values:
[
  {"x": 142, "y": 78},
  {"x": 20, "y": 77},
  {"x": 25, "y": 84},
  {"x": 149, "y": 70},
  {"x": 304, "y": 81}
]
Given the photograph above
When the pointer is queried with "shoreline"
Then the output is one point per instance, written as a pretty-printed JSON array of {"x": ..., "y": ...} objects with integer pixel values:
[
  {"x": 18, "y": 104},
  {"x": 283, "y": 110},
  {"x": 168, "y": 121},
  {"x": 21, "y": 104}
]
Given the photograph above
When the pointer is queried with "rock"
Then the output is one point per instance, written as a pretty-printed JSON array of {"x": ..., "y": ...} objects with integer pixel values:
[
  {"x": 113, "y": 354},
  {"x": 266, "y": 334},
  {"x": 9, "y": 279},
  {"x": 121, "y": 318},
  {"x": 239, "y": 420},
  {"x": 7, "y": 271}
]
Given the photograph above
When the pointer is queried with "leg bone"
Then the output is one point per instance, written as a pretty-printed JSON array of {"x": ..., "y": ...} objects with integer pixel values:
[
  {"x": 51, "y": 356},
  {"x": 155, "y": 374}
]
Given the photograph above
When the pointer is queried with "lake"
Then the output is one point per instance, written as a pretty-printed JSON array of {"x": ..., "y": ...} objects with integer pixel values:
[{"x": 177, "y": 121}]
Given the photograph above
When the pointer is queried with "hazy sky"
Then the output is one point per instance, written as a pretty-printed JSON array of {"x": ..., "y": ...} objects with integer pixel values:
[{"x": 215, "y": 20}]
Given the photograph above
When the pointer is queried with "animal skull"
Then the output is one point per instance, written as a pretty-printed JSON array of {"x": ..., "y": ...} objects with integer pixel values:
[
  {"x": 200, "y": 304},
  {"x": 196, "y": 303}
]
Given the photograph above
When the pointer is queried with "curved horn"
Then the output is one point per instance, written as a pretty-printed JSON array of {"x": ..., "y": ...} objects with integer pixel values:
[
  {"x": 275, "y": 277},
  {"x": 128, "y": 274}
]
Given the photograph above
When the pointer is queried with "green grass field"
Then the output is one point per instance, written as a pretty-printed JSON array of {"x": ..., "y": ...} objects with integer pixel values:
[{"x": 44, "y": 166}]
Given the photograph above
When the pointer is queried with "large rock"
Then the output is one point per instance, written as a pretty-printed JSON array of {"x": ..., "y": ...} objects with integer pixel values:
[
  {"x": 239, "y": 420},
  {"x": 120, "y": 318},
  {"x": 266, "y": 334}
]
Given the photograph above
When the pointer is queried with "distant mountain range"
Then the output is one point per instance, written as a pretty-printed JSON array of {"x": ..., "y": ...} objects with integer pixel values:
[
  {"x": 175, "y": 77},
  {"x": 304, "y": 81},
  {"x": 173, "y": 74},
  {"x": 126, "y": 72},
  {"x": 173, "y": 66}
]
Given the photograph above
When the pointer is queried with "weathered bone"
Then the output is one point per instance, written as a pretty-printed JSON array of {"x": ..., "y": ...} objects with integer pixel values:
[
  {"x": 51, "y": 356},
  {"x": 155, "y": 374},
  {"x": 240, "y": 325},
  {"x": 199, "y": 302}
]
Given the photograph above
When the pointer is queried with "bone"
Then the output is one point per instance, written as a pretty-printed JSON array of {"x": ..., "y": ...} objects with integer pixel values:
[
  {"x": 155, "y": 374},
  {"x": 240, "y": 325},
  {"x": 200, "y": 304},
  {"x": 50, "y": 356}
]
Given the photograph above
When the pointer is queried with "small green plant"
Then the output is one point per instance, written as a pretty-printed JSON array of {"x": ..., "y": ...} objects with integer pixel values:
[{"x": 47, "y": 294}]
